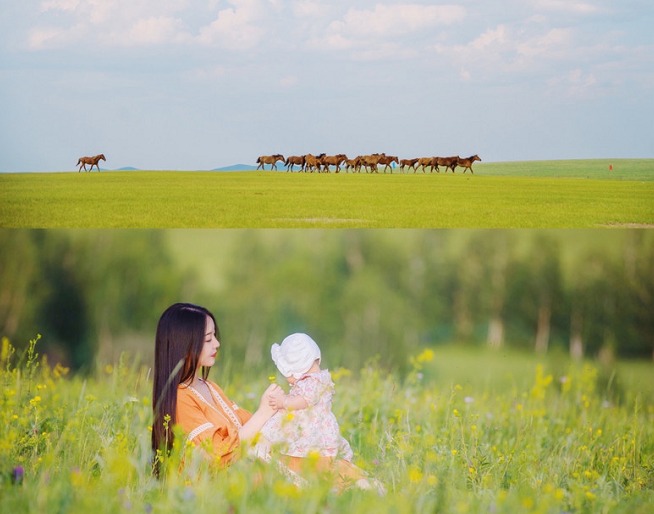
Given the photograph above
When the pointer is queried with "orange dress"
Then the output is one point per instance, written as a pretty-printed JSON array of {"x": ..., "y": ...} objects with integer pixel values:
[{"x": 217, "y": 422}]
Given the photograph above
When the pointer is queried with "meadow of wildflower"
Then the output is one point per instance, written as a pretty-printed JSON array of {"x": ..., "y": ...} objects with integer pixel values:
[{"x": 461, "y": 431}]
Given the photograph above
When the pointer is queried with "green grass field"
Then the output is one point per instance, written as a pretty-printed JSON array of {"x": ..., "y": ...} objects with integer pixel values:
[
  {"x": 554, "y": 194},
  {"x": 463, "y": 431},
  {"x": 623, "y": 169}
]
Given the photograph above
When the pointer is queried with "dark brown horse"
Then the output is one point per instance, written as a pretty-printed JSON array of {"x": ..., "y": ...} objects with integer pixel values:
[
  {"x": 294, "y": 159},
  {"x": 269, "y": 159},
  {"x": 448, "y": 162},
  {"x": 466, "y": 164},
  {"x": 93, "y": 161}
]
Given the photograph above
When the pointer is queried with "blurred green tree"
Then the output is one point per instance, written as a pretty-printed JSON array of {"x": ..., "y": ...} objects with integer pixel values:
[{"x": 77, "y": 288}]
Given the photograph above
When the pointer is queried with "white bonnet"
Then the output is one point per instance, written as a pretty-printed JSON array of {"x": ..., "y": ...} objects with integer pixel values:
[{"x": 295, "y": 355}]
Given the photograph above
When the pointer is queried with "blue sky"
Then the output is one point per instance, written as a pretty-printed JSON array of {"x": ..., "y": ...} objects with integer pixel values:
[{"x": 180, "y": 84}]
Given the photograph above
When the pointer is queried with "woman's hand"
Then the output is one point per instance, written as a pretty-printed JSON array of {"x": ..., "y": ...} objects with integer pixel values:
[
  {"x": 277, "y": 400},
  {"x": 263, "y": 413},
  {"x": 264, "y": 405}
]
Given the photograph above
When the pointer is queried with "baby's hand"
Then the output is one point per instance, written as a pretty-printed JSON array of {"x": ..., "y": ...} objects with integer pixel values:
[{"x": 276, "y": 400}]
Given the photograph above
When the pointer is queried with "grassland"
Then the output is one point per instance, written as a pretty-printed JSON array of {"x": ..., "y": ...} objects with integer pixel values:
[
  {"x": 555, "y": 194},
  {"x": 463, "y": 431},
  {"x": 599, "y": 169}
]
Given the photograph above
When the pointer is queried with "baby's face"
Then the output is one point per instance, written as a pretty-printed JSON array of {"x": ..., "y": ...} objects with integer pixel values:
[{"x": 291, "y": 379}]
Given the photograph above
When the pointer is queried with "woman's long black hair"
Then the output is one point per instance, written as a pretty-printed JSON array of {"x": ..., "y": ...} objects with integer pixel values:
[{"x": 180, "y": 337}]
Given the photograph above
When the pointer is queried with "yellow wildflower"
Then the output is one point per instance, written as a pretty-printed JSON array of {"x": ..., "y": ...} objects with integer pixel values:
[
  {"x": 415, "y": 475},
  {"x": 426, "y": 356}
]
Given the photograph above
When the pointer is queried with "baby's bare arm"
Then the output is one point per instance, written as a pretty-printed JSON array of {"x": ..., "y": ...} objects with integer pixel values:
[
  {"x": 295, "y": 403},
  {"x": 283, "y": 401}
]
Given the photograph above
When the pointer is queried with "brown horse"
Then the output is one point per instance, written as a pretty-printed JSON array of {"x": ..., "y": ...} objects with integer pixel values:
[
  {"x": 425, "y": 162},
  {"x": 294, "y": 159},
  {"x": 269, "y": 159},
  {"x": 371, "y": 161},
  {"x": 387, "y": 160},
  {"x": 448, "y": 162},
  {"x": 466, "y": 164},
  {"x": 354, "y": 164},
  {"x": 93, "y": 161},
  {"x": 411, "y": 163},
  {"x": 311, "y": 162},
  {"x": 333, "y": 160}
]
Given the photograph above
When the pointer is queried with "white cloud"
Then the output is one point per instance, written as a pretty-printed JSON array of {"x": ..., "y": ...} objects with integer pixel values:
[
  {"x": 490, "y": 38},
  {"x": 59, "y": 5},
  {"x": 381, "y": 32},
  {"x": 41, "y": 38},
  {"x": 549, "y": 43},
  {"x": 288, "y": 81},
  {"x": 235, "y": 28},
  {"x": 208, "y": 72},
  {"x": 509, "y": 49},
  {"x": 396, "y": 19},
  {"x": 573, "y": 84},
  {"x": 110, "y": 22},
  {"x": 309, "y": 8},
  {"x": 567, "y": 6},
  {"x": 152, "y": 31}
]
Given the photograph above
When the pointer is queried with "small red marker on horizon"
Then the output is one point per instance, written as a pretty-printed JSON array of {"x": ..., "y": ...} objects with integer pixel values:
[{"x": 610, "y": 167}]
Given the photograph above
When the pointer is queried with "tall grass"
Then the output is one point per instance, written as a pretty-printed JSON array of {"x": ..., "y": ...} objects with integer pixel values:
[{"x": 450, "y": 436}]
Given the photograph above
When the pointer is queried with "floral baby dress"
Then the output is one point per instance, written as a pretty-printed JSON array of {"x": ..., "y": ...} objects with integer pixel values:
[{"x": 314, "y": 429}]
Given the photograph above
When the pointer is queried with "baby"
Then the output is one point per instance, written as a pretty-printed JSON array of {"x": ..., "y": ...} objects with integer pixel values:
[{"x": 304, "y": 422}]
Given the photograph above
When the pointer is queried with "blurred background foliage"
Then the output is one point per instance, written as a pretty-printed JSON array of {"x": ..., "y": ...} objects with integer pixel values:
[{"x": 360, "y": 293}]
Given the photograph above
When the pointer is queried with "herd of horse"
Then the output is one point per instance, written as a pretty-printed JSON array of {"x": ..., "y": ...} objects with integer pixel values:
[{"x": 322, "y": 163}]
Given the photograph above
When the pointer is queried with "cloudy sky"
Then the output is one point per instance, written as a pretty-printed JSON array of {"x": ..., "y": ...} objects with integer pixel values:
[{"x": 181, "y": 84}]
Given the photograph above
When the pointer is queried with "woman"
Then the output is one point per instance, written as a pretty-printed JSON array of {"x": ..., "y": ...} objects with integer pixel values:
[{"x": 185, "y": 348}]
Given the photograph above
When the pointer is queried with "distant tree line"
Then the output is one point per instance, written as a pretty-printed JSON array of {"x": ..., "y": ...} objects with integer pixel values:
[
  {"x": 79, "y": 287},
  {"x": 359, "y": 293},
  {"x": 392, "y": 292}
]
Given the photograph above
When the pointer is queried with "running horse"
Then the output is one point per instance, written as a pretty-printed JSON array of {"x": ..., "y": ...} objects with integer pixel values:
[
  {"x": 93, "y": 161},
  {"x": 269, "y": 159}
]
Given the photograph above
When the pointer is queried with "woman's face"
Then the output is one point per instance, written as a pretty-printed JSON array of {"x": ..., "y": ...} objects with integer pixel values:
[{"x": 211, "y": 345}]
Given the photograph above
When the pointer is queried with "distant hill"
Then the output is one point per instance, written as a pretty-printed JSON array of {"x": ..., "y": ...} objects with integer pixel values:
[
  {"x": 126, "y": 168},
  {"x": 236, "y": 167}
]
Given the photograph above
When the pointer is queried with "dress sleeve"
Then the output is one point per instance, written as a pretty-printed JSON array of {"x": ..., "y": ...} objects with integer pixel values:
[
  {"x": 209, "y": 431},
  {"x": 308, "y": 388}
]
